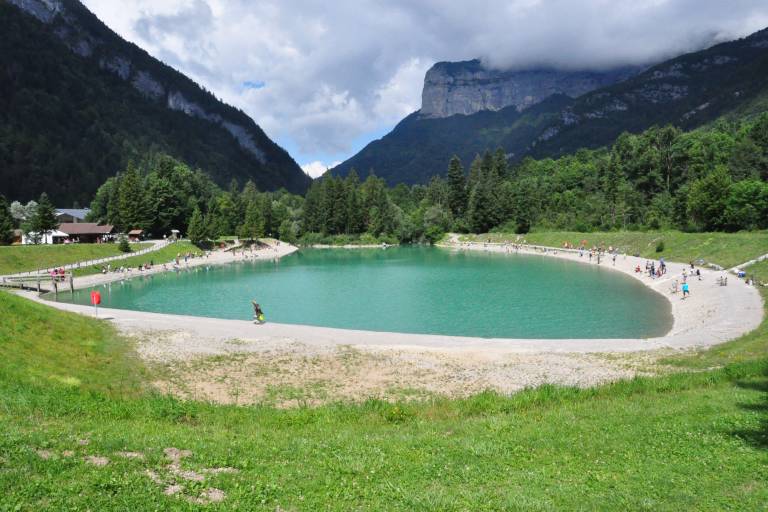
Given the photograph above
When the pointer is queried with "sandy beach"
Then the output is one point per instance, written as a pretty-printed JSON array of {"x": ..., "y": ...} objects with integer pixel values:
[{"x": 237, "y": 361}]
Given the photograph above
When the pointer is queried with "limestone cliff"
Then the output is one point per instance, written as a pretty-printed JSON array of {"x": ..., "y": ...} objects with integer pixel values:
[{"x": 469, "y": 87}]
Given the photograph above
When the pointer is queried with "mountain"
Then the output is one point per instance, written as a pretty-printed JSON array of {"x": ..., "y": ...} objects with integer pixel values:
[
  {"x": 468, "y": 87},
  {"x": 77, "y": 103},
  {"x": 687, "y": 91}
]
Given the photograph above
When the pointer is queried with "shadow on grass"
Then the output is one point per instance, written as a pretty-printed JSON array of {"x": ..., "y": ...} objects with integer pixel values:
[{"x": 758, "y": 436}]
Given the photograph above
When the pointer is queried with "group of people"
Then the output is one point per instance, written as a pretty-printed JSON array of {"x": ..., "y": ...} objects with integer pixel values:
[
  {"x": 58, "y": 274},
  {"x": 106, "y": 269}
]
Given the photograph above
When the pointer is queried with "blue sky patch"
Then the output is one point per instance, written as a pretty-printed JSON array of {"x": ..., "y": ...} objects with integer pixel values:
[{"x": 253, "y": 84}]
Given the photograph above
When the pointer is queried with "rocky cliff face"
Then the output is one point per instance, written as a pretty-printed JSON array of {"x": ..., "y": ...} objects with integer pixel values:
[{"x": 468, "y": 87}]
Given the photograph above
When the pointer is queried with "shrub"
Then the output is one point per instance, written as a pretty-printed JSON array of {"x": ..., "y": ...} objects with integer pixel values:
[
  {"x": 660, "y": 246},
  {"x": 123, "y": 244}
]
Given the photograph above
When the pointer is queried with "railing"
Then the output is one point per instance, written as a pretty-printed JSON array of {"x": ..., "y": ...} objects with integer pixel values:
[
  {"x": 87, "y": 263},
  {"x": 35, "y": 282}
]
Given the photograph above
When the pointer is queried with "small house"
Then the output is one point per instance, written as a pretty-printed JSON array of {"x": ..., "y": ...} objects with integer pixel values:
[
  {"x": 51, "y": 237},
  {"x": 136, "y": 235}
]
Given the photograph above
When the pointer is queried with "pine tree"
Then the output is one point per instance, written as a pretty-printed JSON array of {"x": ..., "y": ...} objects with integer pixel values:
[
  {"x": 500, "y": 164},
  {"x": 6, "y": 222},
  {"x": 354, "y": 224},
  {"x": 457, "y": 185},
  {"x": 44, "y": 219},
  {"x": 253, "y": 225},
  {"x": 123, "y": 245},
  {"x": 196, "y": 231},
  {"x": 131, "y": 203}
]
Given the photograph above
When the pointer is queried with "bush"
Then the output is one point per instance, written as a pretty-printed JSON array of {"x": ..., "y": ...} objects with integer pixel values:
[
  {"x": 660, "y": 246},
  {"x": 368, "y": 239},
  {"x": 123, "y": 244}
]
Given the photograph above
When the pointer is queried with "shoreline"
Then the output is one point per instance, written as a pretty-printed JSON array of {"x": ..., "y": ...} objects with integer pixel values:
[
  {"x": 712, "y": 314},
  {"x": 218, "y": 257}
]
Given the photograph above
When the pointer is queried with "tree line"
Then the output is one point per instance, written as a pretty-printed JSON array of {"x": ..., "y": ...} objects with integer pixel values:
[{"x": 713, "y": 179}]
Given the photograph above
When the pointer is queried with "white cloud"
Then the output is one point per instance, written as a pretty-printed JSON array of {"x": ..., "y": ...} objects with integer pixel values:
[
  {"x": 333, "y": 71},
  {"x": 317, "y": 168}
]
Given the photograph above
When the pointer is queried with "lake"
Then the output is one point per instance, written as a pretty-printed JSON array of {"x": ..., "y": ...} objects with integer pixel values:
[{"x": 409, "y": 289}]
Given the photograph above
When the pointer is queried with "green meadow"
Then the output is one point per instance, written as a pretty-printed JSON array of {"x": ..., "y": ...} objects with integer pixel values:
[
  {"x": 82, "y": 429},
  {"x": 725, "y": 249},
  {"x": 24, "y": 258}
]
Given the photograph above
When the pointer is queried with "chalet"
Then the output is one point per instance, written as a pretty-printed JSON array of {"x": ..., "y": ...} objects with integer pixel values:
[
  {"x": 72, "y": 215},
  {"x": 88, "y": 232}
]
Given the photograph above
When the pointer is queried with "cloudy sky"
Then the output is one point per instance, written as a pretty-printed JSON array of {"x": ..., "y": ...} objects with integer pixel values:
[{"x": 325, "y": 77}]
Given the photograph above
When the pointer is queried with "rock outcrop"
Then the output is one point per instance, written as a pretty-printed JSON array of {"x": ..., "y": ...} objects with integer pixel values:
[{"x": 469, "y": 87}]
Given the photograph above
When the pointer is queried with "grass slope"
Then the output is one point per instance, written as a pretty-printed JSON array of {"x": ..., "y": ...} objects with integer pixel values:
[
  {"x": 725, "y": 249},
  {"x": 164, "y": 255},
  {"x": 24, "y": 258},
  {"x": 689, "y": 441}
]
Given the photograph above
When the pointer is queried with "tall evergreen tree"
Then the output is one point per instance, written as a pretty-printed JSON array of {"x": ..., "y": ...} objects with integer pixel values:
[
  {"x": 44, "y": 219},
  {"x": 132, "y": 207},
  {"x": 253, "y": 225},
  {"x": 457, "y": 187},
  {"x": 500, "y": 163},
  {"x": 6, "y": 222},
  {"x": 197, "y": 230}
]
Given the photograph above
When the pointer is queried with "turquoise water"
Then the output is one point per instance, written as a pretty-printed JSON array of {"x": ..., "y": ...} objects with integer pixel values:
[{"x": 409, "y": 289}]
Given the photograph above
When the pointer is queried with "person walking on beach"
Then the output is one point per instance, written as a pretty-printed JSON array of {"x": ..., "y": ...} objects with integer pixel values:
[
  {"x": 686, "y": 290},
  {"x": 258, "y": 314}
]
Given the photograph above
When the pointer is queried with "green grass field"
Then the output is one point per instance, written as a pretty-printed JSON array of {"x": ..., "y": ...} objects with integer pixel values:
[
  {"x": 725, "y": 249},
  {"x": 164, "y": 255},
  {"x": 72, "y": 388},
  {"x": 23, "y": 258}
]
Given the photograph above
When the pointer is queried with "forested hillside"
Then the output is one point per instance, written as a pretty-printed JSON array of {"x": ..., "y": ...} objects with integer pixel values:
[{"x": 77, "y": 103}]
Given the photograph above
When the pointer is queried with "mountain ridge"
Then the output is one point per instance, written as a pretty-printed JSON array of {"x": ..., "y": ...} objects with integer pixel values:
[
  {"x": 158, "y": 86},
  {"x": 688, "y": 91}
]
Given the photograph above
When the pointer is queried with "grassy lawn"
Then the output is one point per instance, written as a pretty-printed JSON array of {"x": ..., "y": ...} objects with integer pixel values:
[
  {"x": 71, "y": 387},
  {"x": 164, "y": 255},
  {"x": 725, "y": 249},
  {"x": 23, "y": 258}
]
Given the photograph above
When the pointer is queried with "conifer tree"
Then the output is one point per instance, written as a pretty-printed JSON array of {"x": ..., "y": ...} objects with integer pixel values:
[
  {"x": 500, "y": 163},
  {"x": 131, "y": 204},
  {"x": 44, "y": 220},
  {"x": 253, "y": 226},
  {"x": 197, "y": 230},
  {"x": 6, "y": 222},
  {"x": 457, "y": 185}
]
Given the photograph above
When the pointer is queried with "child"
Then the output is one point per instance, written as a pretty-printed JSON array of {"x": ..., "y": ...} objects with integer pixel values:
[
  {"x": 686, "y": 291},
  {"x": 258, "y": 314}
]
